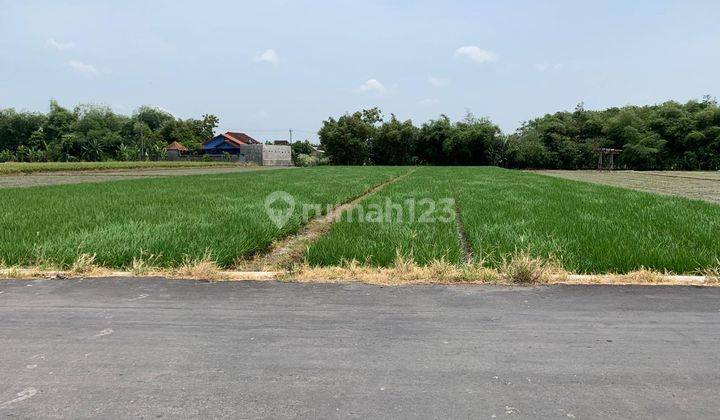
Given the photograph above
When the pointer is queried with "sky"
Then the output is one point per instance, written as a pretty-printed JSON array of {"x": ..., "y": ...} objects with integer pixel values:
[{"x": 268, "y": 66}]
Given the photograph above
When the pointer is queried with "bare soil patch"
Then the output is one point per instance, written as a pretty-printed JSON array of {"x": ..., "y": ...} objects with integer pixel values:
[
  {"x": 703, "y": 185},
  {"x": 80, "y": 177}
]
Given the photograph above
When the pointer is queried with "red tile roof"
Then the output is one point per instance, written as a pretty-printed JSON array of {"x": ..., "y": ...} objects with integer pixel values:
[
  {"x": 177, "y": 146},
  {"x": 240, "y": 137}
]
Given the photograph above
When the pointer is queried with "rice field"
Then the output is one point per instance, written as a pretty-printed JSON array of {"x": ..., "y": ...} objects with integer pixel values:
[
  {"x": 585, "y": 228},
  {"x": 169, "y": 219},
  {"x": 412, "y": 228},
  {"x": 429, "y": 214}
]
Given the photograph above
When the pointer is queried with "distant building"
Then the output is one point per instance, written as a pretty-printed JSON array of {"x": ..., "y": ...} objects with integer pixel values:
[
  {"x": 281, "y": 143},
  {"x": 229, "y": 142},
  {"x": 175, "y": 150},
  {"x": 315, "y": 152},
  {"x": 243, "y": 148}
]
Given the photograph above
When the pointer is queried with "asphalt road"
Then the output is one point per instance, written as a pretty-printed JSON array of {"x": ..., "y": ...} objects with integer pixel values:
[{"x": 117, "y": 348}]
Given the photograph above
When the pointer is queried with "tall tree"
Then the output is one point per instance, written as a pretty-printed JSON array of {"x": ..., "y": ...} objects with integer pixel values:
[{"x": 347, "y": 140}]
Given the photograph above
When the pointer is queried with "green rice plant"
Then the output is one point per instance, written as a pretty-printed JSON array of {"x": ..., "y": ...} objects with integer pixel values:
[
  {"x": 580, "y": 227},
  {"x": 416, "y": 224},
  {"x": 586, "y": 228},
  {"x": 171, "y": 218}
]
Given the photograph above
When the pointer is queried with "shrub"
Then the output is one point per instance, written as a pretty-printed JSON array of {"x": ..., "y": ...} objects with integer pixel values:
[
  {"x": 7, "y": 156},
  {"x": 305, "y": 160}
]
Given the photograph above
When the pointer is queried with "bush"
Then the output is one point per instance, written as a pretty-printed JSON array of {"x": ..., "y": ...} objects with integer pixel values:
[
  {"x": 36, "y": 155},
  {"x": 306, "y": 160},
  {"x": 7, "y": 156}
]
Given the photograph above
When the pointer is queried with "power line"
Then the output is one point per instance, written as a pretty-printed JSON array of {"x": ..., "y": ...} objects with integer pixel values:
[{"x": 283, "y": 130}]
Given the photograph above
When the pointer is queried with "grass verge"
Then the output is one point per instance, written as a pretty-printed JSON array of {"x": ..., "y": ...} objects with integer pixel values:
[{"x": 519, "y": 270}]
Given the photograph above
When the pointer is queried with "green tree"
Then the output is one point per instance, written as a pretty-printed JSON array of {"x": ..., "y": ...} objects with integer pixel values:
[
  {"x": 394, "y": 143},
  {"x": 300, "y": 148},
  {"x": 474, "y": 141},
  {"x": 347, "y": 140},
  {"x": 431, "y": 138},
  {"x": 527, "y": 151},
  {"x": 154, "y": 118},
  {"x": 61, "y": 121}
]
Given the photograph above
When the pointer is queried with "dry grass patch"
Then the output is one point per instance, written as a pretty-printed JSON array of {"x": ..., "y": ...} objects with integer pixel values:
[
  {"x": 404, "y": 270},
  {"x": 712, "y": 274},
  {"x": 205, "y": 268},
  {"x": 84, "y": 263},
  {"x": 518, "y": 269},
  {"x": 638, "y": 277},
  {"x": 522, "y": 268},
  {"x": 144, "y": 264}
]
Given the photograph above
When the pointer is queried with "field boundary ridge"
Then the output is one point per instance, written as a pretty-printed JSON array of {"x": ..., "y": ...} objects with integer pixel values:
[{"x": 290, "y": 249}]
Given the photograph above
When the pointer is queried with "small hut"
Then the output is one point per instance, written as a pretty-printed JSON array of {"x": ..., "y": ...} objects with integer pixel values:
[
  {"x": 175, "y": 150},
  {"x": 603, "y": 152}
]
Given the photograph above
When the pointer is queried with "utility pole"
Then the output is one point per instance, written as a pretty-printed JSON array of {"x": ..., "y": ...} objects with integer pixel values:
[{"x": 291, "y": 136}]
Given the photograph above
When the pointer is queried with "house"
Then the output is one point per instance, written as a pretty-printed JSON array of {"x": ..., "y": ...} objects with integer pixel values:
[
  {"x": 316, "y": 152},
  {"x": 229, "y": 142},
  {"x": 175, "y": 150},
  {"x": 281, "y": 143},
  {"x": 243, "y": 148}
]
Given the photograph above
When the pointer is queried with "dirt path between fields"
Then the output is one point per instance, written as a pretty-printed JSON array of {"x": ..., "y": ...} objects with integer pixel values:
[
  {"x": 291, "y": 249},
  {"x": 694, "y": 185},
  {"x": 80, "y": 177},
  {"x": 462, "y": 236}
]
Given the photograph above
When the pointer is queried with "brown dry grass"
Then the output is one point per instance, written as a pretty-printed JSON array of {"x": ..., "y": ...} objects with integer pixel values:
[
  {"x": 712, "y": 274},
  {"x": 403, "y": 271},
  {"x": 205, "y": 268},
  {"x": 518, "y": 269},
  {"x": 84, "y": 263},
  {"x": 144, "y": 264},
  {"x": 522, "y": 268}
]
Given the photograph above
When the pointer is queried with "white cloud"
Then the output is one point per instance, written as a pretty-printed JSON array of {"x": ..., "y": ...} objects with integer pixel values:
[
  {"x": 372, "y": 85},
  {"x": 81, "y": 67},
  {"x": 437, "y": 81},
  {"x": 428, "y": 101},
  {"x": 476, "y": 54},
  {"x": 267, "y": 56},
  {"x": 60, "y": 46}
]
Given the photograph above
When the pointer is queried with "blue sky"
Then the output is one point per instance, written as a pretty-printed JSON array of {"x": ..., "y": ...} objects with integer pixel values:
[{"x": 275, "y": 65}]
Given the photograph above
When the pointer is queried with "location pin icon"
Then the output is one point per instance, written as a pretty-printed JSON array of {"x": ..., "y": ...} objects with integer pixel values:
[{"x": 279, "y": 207}]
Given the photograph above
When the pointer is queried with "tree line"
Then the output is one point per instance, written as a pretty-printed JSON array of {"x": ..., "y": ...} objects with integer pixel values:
[
  {"x": 670, "y": 135},
  {"x": 96, "y": 133}
]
